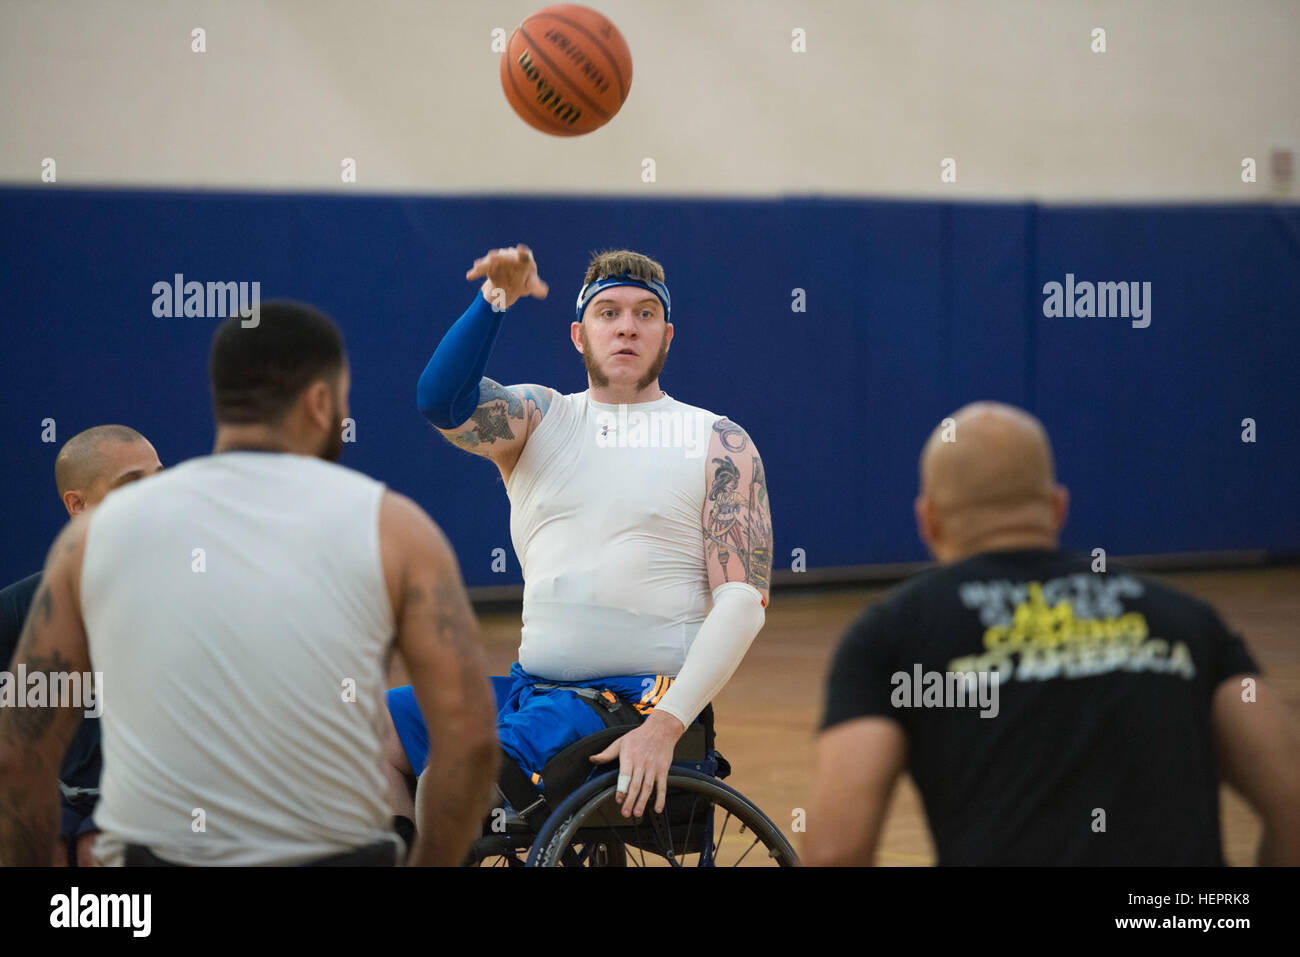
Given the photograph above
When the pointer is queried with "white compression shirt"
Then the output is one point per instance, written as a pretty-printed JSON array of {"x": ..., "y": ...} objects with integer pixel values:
[
  {"x": 606, "y": 518},
  {"x": 228, "y": 602}
]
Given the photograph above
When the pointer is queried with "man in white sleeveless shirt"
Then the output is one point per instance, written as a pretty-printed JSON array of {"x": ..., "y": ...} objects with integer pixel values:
[
  {"x": 242, "y": 609},
  {"x": 641, "y": 524}
]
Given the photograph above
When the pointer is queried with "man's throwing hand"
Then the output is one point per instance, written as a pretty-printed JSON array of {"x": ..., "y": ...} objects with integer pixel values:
[{"x": 510, "y": 275}]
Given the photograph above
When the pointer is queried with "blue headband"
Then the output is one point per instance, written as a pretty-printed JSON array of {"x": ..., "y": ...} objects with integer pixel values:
[{"x": 623, "y": 279}]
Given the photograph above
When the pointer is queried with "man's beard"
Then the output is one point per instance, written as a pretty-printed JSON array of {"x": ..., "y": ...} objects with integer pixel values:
[{"x": 601, "y": 380}]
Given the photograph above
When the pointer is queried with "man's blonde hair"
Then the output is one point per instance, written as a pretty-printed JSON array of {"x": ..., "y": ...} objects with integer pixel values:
[{"x": 618, "y": 262}]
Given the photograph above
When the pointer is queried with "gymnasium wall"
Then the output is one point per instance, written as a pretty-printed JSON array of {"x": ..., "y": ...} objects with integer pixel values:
[
  {"x": 1012, "y": 90},
  {"x": 911, "y": 309}
]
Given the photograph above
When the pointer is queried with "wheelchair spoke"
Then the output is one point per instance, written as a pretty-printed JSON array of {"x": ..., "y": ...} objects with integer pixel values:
[
  {"x": 616, "y": 841},
  {"x": 747, "y": 850},
  {"x": 718, "y": 843},
  {"x": 636, "y": 830},
  {"x": 686, "y": 840},
  {"x": 664, "y": 829}
]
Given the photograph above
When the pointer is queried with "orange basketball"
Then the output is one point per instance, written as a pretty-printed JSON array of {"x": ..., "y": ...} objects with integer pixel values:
[{"x": 566, "y": 70}]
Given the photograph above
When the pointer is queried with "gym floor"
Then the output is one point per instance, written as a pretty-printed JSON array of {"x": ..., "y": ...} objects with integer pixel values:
[{"x": 767, "y": 714}]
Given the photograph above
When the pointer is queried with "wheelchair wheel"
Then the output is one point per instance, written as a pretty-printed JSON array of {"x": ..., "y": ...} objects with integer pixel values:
[
  {"x": 499, "y": 850},
  {"x": 599, "y": 852},
  {"x": 510, "y": 849},
  {"x": 705, "y": 823}
]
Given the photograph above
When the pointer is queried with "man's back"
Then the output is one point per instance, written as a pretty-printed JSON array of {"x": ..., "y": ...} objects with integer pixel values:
[
  {"x": 232, "y": 605},
  {"x": 1101, "y": 750}
]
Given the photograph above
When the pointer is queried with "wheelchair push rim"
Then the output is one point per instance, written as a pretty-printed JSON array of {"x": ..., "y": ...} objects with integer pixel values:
[{"x": 721, "y": 827}]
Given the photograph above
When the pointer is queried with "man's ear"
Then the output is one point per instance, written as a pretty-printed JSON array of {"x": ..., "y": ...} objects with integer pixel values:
[
  {"x": 1060, "y": 505},
  {"x": 926, "y": 521},
  {"x": 320, "y": 405},
  {"x": 575, "y": 333},
  {"x": 74, "y": 502}
]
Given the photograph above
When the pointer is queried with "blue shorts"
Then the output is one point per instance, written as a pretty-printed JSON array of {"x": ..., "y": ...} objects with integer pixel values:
[{"x": 532, "y": 726}]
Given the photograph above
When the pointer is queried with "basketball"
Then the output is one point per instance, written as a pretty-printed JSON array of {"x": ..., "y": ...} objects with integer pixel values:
[{"x": 566, "y": 70}]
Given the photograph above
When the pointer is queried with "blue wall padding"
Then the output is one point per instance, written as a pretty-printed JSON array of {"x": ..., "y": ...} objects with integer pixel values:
[{"x": 913, "y": 309}]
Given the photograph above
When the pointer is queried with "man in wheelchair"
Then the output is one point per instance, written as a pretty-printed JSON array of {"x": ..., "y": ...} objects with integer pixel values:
[{"x": 629, "y": 510}]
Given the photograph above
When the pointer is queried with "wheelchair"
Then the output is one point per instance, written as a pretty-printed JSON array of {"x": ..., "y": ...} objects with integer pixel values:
[{"x": 574, "y": 821}]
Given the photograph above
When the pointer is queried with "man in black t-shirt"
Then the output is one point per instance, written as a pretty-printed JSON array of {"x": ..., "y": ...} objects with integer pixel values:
[
  {"x": 89, "y": 466},
  {"x": 1049, "y": 710}
]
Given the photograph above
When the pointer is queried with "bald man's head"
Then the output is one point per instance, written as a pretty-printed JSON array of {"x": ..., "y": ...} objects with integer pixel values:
[
  {"x": 94, "y": 462},
  {"x": 988, "y": 483}
]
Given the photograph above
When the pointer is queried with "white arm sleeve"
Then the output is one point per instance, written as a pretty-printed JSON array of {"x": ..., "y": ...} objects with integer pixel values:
[{"x": 717, "y": 650}]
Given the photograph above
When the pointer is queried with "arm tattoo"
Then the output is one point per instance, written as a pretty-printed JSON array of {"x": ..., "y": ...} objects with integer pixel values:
[
  {"x": 732, "y": 436},
  {"x": 759, "y": 520},
  {"x": 30, "y": 723},
  {"x": 739, "y": 525},
  {"x": 446, "y": 608},
  {"x": 497, "y": 406}
]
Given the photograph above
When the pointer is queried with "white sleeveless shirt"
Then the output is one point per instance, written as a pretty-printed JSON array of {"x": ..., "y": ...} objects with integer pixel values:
[
  {"x": 606, "y": 516},
  {"x": 230, "y": 602}
]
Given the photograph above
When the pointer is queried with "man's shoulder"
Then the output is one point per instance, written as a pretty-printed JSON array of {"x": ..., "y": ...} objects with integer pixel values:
[
  {"x": 971, "y": 577},
  {"x": 142, "y": 499},
  {"x": 211, "y": 467},
  {"x": 921, "y": 586},
  {"x": 723, "y": 430},
  {"x": 169, "y": 477},
  {"x": 923, "y": 589},
  {"x": 17, "y": 596},
  {"x": 1163, "y": 596},
  {"x": 569, "y": 399},
  {"x": 335, "y": 469},
  {"x": 697, "y": 410}
]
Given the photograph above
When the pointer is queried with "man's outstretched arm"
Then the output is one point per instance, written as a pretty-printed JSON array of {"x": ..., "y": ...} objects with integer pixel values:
[{"x": 473, "y": 411}]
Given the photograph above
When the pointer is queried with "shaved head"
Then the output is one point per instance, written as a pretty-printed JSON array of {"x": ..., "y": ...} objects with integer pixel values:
[
  {"x": 988, "y": 481},
  {"x": 94, "y": 462}
]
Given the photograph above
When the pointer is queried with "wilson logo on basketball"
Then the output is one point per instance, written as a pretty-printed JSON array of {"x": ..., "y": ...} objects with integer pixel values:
[{"x": 547, "y": 96}]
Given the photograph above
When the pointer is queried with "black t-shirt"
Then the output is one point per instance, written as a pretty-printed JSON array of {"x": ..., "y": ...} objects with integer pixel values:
[
  {"x": 1098, "y": 746},
  {"x": 81, "y": 765}
]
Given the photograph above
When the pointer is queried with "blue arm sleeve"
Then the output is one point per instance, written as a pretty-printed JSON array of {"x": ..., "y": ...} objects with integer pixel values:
[{"x": 447, "y": 392}]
